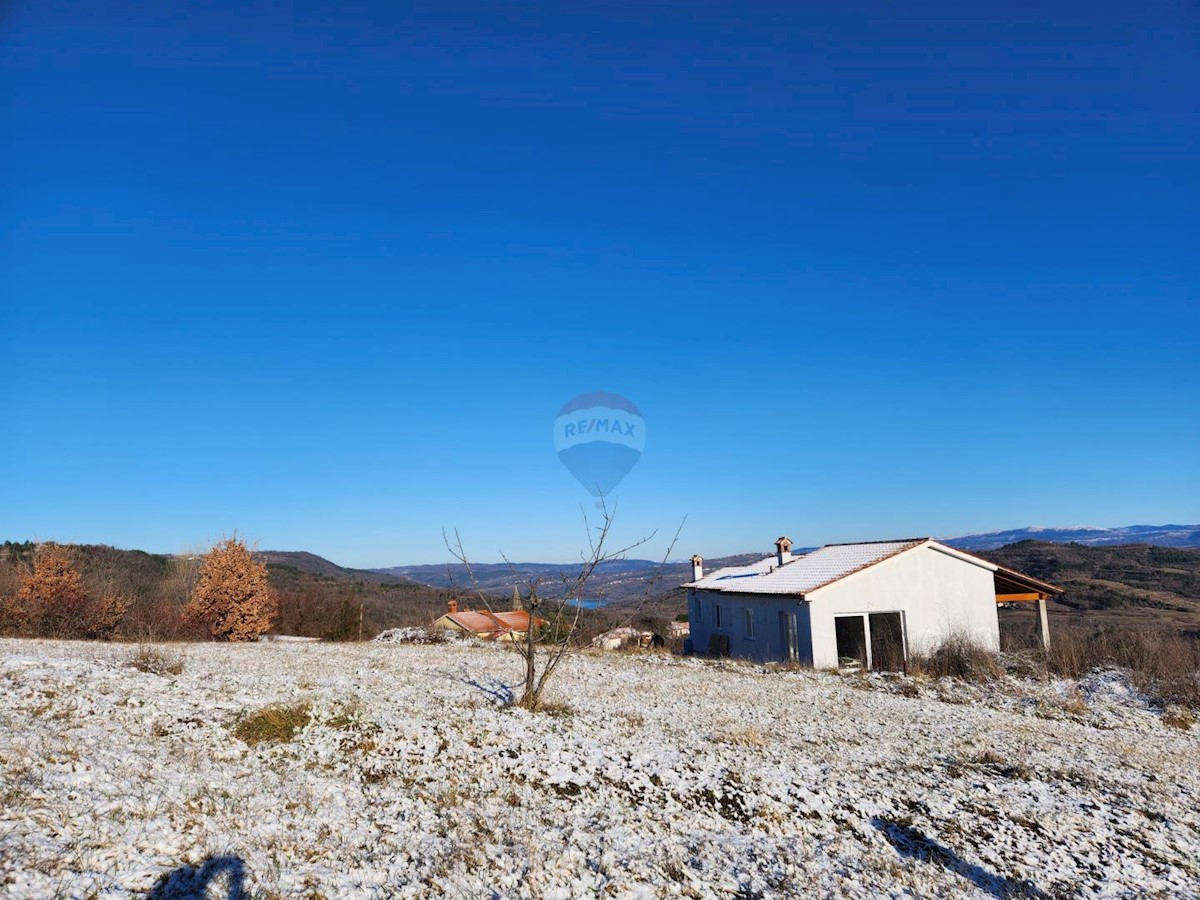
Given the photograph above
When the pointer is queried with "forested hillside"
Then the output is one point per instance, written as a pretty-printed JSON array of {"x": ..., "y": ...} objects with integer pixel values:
[
  {"x": 320, "y": 600},
  {"x": 1133, "y": 583}
]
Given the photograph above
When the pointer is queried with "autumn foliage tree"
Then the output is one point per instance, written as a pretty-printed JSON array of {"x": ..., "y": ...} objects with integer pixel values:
[
  {"x": 232, "y": 598},
  {"x": 52, "y": 599}
]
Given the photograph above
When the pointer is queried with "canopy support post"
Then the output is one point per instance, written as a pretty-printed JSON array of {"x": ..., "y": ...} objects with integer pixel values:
[{"x": 1045, "y": 623}]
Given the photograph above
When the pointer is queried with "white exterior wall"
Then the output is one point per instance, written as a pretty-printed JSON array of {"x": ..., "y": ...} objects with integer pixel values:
[
  {"x": 768, "y": 644},
  {"x": 939, "y": 595}
]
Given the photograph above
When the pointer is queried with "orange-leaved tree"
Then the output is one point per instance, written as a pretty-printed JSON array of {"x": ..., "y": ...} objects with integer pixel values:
[
  {"x": 232, "y": 598},
  {"x": 52, "y": 598}
]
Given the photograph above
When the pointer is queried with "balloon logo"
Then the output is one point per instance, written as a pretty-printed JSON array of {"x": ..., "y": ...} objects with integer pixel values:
[{"x": 599, "y": 437}]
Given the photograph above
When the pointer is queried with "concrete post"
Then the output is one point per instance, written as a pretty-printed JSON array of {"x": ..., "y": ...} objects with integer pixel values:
[{"x": 1045, "y": 623}]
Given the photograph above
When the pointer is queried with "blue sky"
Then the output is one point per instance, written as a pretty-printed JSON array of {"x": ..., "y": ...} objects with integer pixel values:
[{"x": 326, "y": 277}]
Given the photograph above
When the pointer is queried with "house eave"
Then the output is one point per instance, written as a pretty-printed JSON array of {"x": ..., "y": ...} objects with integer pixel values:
[{"x": 753, "y": 595}]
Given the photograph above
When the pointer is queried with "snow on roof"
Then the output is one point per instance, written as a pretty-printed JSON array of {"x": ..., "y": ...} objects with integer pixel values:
[{"x": 806, "y": 573}]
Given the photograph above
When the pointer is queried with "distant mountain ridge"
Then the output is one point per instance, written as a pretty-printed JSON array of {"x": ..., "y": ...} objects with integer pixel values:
[{"x": 1159, "y": 535}]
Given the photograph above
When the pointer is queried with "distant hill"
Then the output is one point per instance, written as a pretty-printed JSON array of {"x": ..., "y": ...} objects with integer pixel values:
[
  {"x": 618, "y": 581},
  {"x": 311, "y": 564},
  {"x": 1126, "y": 581},
  {"x": 1160, "y": 535},
  {"x": 1156, "y": 580}
]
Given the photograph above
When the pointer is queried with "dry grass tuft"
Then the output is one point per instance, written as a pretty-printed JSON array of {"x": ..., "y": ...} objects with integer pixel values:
[
  {"x": 1074, "y": 704},
  {"x": 156, "y": 661},
  {"x": 742, "y": 737},
  {"x": 273, "y": 724},
  {"x": 555, "y": 709},
  {"x": 1178, "y": 717},
  {"x": 959, "y": 657},
  {"x": 989, "y": 758},
  {"x": 1000, "y": 765}
]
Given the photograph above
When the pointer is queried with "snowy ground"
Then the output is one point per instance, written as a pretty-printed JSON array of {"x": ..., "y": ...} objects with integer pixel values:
[{"x": 671, "y": 778}]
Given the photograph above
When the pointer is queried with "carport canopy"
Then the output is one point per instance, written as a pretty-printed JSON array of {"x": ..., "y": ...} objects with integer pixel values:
[{"x": 1016, "y": 587}]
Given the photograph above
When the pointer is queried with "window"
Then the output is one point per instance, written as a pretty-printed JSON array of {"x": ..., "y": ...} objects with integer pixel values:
[
  {"x": 699, "y": 609},
  {"x": 716, "y": 615},
  {"x": 748, "y": 614}
]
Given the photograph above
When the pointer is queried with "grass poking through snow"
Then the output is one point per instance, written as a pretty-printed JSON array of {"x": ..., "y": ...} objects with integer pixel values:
[{"x": 273, "y": 724}]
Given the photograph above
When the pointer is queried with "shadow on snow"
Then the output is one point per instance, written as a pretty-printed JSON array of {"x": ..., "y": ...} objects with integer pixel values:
[
  {"x": 190, "y": 883},
  {"x": 913, "y": 844}
]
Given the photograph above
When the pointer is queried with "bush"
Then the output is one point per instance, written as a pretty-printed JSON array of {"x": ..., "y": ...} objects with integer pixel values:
[
  {"x": 158, "y": 662},
  {"x": 959, "y": 657}
]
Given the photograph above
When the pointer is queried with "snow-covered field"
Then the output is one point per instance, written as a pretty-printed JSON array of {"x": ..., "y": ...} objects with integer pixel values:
[{"x": 671, "y": 778}]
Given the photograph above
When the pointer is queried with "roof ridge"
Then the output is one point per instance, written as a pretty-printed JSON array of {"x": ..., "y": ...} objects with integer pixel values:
[{"x": 909, "y": 540}]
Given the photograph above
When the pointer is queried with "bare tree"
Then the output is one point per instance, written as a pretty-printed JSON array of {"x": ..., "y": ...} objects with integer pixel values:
[{"x": 550, "y": 640}]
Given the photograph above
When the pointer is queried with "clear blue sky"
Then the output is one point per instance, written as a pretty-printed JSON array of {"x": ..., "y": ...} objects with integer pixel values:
[{"x": 326, "y": 277}]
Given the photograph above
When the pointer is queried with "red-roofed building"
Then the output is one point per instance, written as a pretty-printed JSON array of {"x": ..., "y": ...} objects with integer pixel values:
[{"x": 485, "y": 624}]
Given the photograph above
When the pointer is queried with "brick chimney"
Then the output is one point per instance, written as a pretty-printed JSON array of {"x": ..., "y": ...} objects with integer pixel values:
[
  {"x": 453, "y": 604},
  {"x": 697, "y": 567},
  {"x": 783, "y": 551}
]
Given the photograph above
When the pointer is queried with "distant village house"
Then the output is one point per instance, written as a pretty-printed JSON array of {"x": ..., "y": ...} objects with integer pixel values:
[
  {"x": 626, "y": 637},
  {"x": 874, "y": 603},
  {"x": 485, "y": 624}
]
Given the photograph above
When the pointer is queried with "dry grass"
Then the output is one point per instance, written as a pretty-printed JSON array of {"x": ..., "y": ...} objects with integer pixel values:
[
  {"x": 1074, "y": 704},
  {"x": 159, "y": 662},
  {"x": 959, "y": 657},
  {"x": 1164, "y": 665},
  {"x": 555, "y": 709},
  {"x": 742, "y": 737},
  {"x": 273, "y": 724},
  {"x": 1179, "y": 717}
]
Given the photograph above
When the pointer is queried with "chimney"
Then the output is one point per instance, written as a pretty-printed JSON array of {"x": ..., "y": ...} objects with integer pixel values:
[
  {"x": 697, "y": 567},
  {"x": 453, "y": 604},
  {"x": 783, "y": 551}
]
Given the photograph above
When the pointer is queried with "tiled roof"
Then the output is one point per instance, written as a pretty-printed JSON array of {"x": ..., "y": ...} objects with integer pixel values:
[
  {"x": 487, "y": 622},
  {"x": 804, "y": 573}
]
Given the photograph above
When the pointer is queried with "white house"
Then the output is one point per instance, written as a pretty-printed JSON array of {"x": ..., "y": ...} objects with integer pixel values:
[{"x": 876, "y": 602}]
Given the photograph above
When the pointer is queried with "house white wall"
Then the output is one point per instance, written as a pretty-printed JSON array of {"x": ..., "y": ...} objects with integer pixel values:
[
  {"x": 938, "y": 594},
  {"x": 767, "y": 643}
]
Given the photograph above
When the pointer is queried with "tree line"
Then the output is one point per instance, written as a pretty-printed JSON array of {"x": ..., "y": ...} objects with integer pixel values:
[{"x": 223, "y": 595}]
